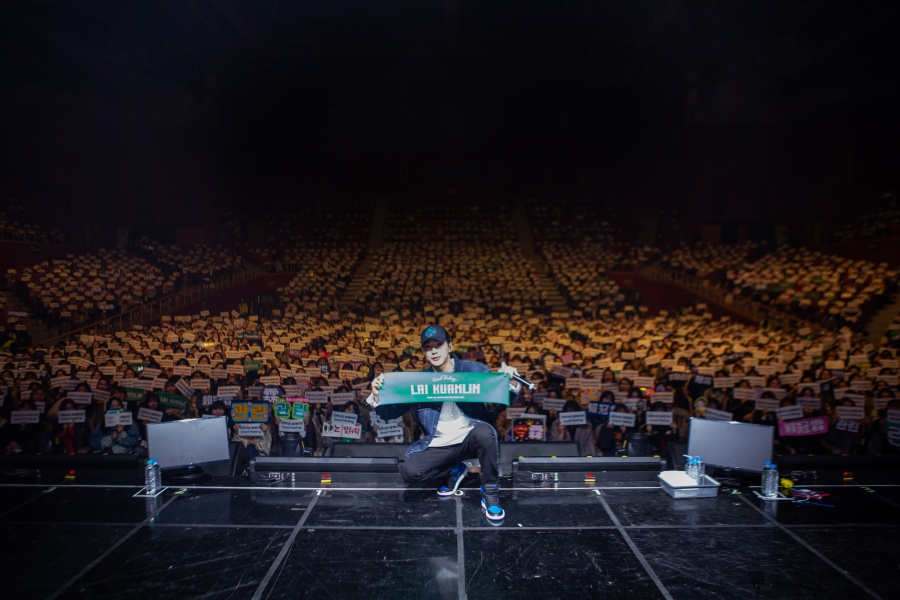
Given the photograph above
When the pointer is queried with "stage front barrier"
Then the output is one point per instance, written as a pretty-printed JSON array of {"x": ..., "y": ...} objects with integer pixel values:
[
  {"x": 266, "y": 470},
  {"x": 125, "y": 469},
  {"x": 587, "y": 470}
]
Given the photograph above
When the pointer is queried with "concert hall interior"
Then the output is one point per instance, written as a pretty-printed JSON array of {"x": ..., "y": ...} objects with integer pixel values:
[{"x": 449, "y": 299}]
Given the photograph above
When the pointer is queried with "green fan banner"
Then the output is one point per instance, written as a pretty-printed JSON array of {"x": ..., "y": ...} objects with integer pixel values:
[{"x": 428, "y": 386}]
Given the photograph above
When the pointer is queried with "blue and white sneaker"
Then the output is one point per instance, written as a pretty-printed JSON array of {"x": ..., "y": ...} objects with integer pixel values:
[
  {"x": 490, "y": 502},
  {"x": 451, "y": 488}
]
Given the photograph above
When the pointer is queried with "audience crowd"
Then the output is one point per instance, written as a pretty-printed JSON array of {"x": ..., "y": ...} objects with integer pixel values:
[
  {"x": 78, "y": 290},
  {"x": 685, "y": 365}
]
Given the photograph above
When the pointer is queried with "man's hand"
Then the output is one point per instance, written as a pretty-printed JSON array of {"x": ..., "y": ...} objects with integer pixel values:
[
  {"x": 514, "y": 386},
  {"x": 376, "y": 387}
]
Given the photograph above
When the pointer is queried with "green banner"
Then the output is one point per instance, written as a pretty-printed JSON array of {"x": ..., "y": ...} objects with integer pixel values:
[
  {"x": 426, "y": 386},
  {"x": 252, "y": 365},
  {"x": 134, "y": 394},
  {"x": 172, "y": 400}
]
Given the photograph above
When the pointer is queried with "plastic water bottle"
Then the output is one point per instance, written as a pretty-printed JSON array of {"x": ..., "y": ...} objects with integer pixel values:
[
  {"x": 157, "y": 471},
  {"x": 689, "y": 466},
  {"x": 152, "y": 477},
  {"x": 700, "y": 469},
  {"x": 770, "y": 480}
]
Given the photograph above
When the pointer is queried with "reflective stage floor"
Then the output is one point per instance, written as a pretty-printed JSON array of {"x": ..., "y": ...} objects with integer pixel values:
[{"x": 626, "y": 541}]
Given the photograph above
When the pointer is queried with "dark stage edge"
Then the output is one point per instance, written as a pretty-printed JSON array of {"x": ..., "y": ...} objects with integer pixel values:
[{"x": 230, "y": 541}]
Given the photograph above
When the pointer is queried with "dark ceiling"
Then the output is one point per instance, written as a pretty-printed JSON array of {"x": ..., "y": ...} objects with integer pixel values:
[{"x": 213, "y": 48}]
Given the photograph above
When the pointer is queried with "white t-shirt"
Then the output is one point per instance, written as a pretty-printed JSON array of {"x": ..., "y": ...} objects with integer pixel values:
[{"x": 452, "y": 427}]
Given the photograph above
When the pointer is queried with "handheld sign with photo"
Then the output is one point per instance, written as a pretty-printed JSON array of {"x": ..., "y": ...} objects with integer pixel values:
[{"x": 529, "y": 428}]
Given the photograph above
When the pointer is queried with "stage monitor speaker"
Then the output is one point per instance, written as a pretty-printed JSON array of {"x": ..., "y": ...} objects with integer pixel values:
[
  {"x": 125, "y": 469},
  {"x": 369, "y": 450},
  {"x": 509, "y": 451},
  {"x": 267, "y": 470},
  {"x": 836, "y": 469},
  {"x": 588, "y": 470}
]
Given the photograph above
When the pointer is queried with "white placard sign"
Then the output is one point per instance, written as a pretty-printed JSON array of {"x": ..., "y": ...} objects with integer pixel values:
[
  {"x": 71, "y": 416},
  {"x": 743, "y": 394},
  {"x": 342, "y": 398},
  {"x": 789, "y": 378},
  {"x": 149, "y": 373},
  {"x": 17, "y": 417},
  {"x": 655, "y": 417},
  {"x": 514, "y": 411},
  {"x": 550, "y": 404},
  {"x": 767, "y": 404},
  {"x": 667, "y": 397},
  {"x": 390, "y": 430},
  {"x": 270, "y": 380},
  {"x": 317, "y": 396},
  {"x": 342, "y": 417},
  {"x": 142, "y": 384},
  {"x": 117, "y": 418},
  {"x": 150, "y": 415},
  {"x": 250, "y": 430},
  {"x": 718, "y": 415},
  {"x": 80, "y": 397},
  {"x": 643, "y": 382},
  {"x": 723, "y": 382},
  {"x": 622, "y": 419},
  {"x": 850, "y": 413},
  {"x": 184, "y": 388},
  {"x": 857, "y": 399},
  {"x": 573, "y": 418},
  {"x": 786, "y": 413},
  {"x": 813, "y": 403},
  {"x": 229, "y": 391},
  {"x": 293, "y": 426}
]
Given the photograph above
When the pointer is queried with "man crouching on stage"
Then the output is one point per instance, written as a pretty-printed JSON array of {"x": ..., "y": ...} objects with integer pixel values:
[{"x": 455, "y": 432}]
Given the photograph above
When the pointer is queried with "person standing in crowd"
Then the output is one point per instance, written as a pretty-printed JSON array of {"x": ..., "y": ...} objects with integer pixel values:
[{"x": 454, "y": 432}]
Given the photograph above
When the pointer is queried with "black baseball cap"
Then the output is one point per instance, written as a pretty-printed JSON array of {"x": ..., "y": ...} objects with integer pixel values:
[{"x": 435, "y": 332}]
